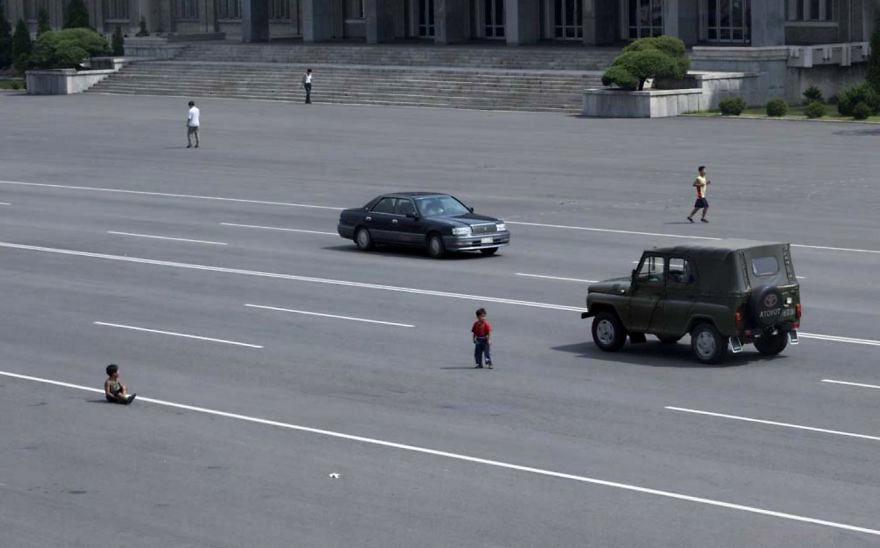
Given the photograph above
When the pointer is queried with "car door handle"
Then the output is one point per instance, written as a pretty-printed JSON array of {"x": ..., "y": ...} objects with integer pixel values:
[
  {"x": 368, "y": 219},
  {"x": 394, "y": 221}
]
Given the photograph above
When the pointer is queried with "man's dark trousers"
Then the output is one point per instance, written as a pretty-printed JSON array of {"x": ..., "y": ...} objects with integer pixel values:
[{"x": 308, "y": 93}]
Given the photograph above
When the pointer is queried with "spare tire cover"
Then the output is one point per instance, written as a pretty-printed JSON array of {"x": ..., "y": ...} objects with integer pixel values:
[{"x": 765, "y": 305}]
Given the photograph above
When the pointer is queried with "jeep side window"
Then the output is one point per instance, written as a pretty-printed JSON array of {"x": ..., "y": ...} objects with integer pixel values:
[
  {"x": 680, "y": 272},
  {"x": 651, "y": 271}
]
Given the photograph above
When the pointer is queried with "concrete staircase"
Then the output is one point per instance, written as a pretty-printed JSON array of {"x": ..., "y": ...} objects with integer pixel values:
[{"x": 487, "y": 78}]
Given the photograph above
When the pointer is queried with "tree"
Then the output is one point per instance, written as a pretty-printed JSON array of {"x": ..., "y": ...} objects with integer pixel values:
[
  {"x": 6, "y": 57},
  {"x": 118, "y": 43},
  {"x": 874, "y": 59},
  {"x": 43, "y": 24},
  {"x": 67, "y": 48},
  {"x": 21, "y": 46},
  {"x": 654, "y": 57},
  {"x": 77, "y": 15}
]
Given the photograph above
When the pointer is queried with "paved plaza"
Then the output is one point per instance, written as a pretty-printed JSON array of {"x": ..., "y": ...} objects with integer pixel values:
[{"x": 270, "y": 414}]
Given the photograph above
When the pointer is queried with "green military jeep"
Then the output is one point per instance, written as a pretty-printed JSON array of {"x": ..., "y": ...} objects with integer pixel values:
[{"x": 724, "y": 294}]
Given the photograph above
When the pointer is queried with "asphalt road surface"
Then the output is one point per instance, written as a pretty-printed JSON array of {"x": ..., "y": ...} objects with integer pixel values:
[{"x": 270, "y": 415}]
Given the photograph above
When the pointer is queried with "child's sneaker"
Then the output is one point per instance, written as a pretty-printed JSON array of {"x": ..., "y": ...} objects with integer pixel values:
[
  {"x": 489, "y": 365},
  {"x": 478, "y": 366},
  {"x": 130, "y": 398}
]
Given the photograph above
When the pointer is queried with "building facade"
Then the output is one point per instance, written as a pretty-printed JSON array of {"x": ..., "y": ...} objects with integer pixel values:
[{"x": 514, "y": 22}]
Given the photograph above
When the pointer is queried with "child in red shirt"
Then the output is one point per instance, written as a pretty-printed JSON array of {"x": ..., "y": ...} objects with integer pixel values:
[{"x": 482, "y": 333}]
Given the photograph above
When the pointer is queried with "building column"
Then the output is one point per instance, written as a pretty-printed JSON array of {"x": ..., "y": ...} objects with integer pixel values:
[
  {"x": 670, "y": 17},
  {"x": 254, "y": 21},
  {"x": 600, "y": 22},
  {"x": 768, "y": 23},
  {"x": 522, "y": 21},
  {"x": 318, "y": 24},
  {"x": 450, "y": 21},
  {"x": 56, "y": 13},
  {"x": 379, "y": 15}
]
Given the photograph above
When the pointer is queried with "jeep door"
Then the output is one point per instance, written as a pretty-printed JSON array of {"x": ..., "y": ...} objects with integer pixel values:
[
  {"x": 647, "y": 292},
  {"x": 681, "y": 294}
]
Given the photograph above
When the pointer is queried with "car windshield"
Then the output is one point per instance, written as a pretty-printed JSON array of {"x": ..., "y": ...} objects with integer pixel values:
[{"x": 441, "y": 206}]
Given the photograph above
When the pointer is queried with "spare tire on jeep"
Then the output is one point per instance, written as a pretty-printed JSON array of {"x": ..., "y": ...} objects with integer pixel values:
[{"x": 765, "y": 305}]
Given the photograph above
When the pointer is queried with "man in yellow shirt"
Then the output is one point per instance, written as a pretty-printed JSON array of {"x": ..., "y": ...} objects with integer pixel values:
[{"x": 701, "y": 183}]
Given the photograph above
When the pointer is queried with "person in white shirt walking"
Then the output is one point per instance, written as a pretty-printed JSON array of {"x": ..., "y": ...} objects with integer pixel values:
[
  {"x": 192, "y": 125},
  {"x": 307, "y": 85}
]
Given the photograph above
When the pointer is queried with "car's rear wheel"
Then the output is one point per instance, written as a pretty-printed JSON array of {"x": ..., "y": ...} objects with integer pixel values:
[
  {"x": 363, "y": 239},
  {"x": 489, "y": 251},
  {"x": 608, "y": 332},
  {"x": 436, "y": 248},
  {"x": 770, "y": 345},
  {"x": 668, "y": 339},
  {"x": 707, "y": 344}
]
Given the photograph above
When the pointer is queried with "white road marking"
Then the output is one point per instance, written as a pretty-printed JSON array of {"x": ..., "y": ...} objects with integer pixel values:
[
  {"x": 327, "y": 315},
  {"x": 471, "y": 459},
  {"x": 174, "y": 334},
  {"x": 827, "y": 248},
  {"x": 327, "y": 281},
  {"x": 282, "y": 229},
  {"x": 613, "y": 231},
  {"x": 835, "y": 338},
  {"x": 5, "y": 203},
  {"x": 169, "y": 195},
  {"x": 848, "y": 383},
  {"x": 774, "y": 423},
  {"x": 164, "y": 238},
  {"x": 541, "y": 276}
]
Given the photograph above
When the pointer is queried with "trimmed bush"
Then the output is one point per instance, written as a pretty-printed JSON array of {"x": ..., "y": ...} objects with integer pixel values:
[
  {"x": 142, "y": 31},
  {"x": 14, "y": 85},
  {"x": 873, "y": 75},
  {"x": 6, "y": 57},
  {"x": 852, "y": 96},
  {"x": 21, "y": 46},
  {"x": 43, "y": 24},
  {"x": 118, "y": 43},
  {"x": 813, "y": 94},
  {"x": 861, "y": 111},
  {"x": 732, "y": 106},
  {"x": 816, "y": 109},
  {"x": 654, "y": 57},
  {"x": 777, "y": 107},
  {"x": 77, "y": 15},
  {"x": 67, "y": 48}
]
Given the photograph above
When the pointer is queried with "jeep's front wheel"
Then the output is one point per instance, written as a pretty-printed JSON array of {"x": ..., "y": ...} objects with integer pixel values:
[
  {"x": 707, "y": 344},
  {"x": 608, "y": 332},
  {"x": 770, "y": 345}
]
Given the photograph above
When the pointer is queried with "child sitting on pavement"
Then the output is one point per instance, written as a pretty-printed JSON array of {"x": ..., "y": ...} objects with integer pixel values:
[{"x": 114, "y": 390}]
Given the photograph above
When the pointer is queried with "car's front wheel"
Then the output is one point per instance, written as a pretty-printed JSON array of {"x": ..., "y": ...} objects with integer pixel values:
[
  {"x": 436, "y": 248},
  {"x": 363, "y": 239},
  {"x": 707, "y": 344},
  {"x": 489, "y": 251},
  {"x": 770, "y": 345},
  {"x": 608, "y": 332}
]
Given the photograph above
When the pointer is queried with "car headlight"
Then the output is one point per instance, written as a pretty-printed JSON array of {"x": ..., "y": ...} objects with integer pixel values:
[
  {"x": 461, "y": 231},
  {"x": 500, "y": 227}
]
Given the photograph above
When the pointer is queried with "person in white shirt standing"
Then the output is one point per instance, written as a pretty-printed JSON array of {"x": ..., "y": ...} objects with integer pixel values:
[
  {"x": 192, "y": 125},
  {"x": 307, "y": 85}
]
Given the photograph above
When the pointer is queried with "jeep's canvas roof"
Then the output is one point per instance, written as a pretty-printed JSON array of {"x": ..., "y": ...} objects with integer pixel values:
[{"x": 717, "y": 246}]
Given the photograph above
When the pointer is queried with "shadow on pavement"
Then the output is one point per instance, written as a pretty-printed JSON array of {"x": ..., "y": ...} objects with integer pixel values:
[
  {"x": 857, "y": 132},
  {"x": 414, "y": 253},
  {"x": 656, "y": 354}
]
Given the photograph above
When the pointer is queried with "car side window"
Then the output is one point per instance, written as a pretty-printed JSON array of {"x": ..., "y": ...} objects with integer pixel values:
[
  {"x": 405, "y": 207},
  {"x": 680, "y": 272},
  {"x": 385, "y": 205},
  {"x": 651, "y": 270}
]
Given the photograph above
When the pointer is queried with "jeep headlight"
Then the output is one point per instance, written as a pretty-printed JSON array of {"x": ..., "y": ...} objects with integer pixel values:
[
  {"x": 461, "y": 231},
  {"x": 500, "y": 227}
]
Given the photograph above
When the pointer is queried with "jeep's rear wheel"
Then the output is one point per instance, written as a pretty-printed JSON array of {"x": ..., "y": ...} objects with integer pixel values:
[
  {"x": 608, "y": 332},
  {"x": 770, "y": 345},
  {"x": 668, "y": 339},
  {"x": 707, "y": 344}
]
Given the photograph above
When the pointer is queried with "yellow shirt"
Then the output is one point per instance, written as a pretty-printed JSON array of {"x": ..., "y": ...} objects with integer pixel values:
[{"x": 701, "y": 186}]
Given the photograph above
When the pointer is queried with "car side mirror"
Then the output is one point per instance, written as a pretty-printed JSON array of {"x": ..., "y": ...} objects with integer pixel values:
[
  {"x": 471, "y": 209},
  {"x": 634, "y": 276}
]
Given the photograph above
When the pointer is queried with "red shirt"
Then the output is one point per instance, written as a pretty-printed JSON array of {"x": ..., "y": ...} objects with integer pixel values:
[{"x": 481, "y": 328}]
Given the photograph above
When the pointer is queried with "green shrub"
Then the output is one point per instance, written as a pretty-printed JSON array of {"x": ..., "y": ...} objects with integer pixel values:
[
  {"x": 6, "y": 57},
  {"x": 816, "y": 109},
  {"x": 861, "y": 111},
  {"x": 732, "y": 106},
  {"x": 21, "y": 46},
  {"x": 873, "y": 75},
  {"x": 862, "y": 93},
  {"x": 67, "y": 48},
  {"x": 655, "y": 57},
  {"x": 813, "y": 94},
  {"x": 118, "y": 43},
  {"x": 777, "y": 107},
  {"x": 43, "y": 24},
  {"x": 77, "y": 15},
  {"x": 15, "y": 85}
]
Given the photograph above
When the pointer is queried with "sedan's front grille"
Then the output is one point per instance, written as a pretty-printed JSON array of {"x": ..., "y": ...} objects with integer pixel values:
[{"x": 483, "y": 229}]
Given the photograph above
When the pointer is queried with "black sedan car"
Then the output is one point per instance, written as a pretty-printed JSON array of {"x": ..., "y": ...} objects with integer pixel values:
[{"x": 437, "y": 222}]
